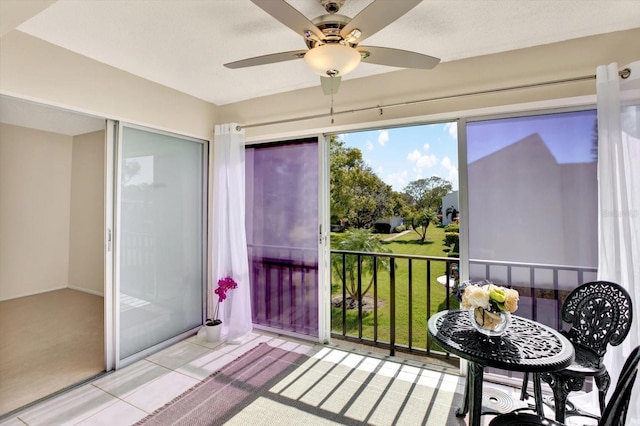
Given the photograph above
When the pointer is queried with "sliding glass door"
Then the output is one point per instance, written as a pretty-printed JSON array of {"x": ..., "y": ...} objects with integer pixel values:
[
  {"x": 533, "y": 206},
  {"x": 160, "y": 239},
  {"x": 282, "y": 235}
]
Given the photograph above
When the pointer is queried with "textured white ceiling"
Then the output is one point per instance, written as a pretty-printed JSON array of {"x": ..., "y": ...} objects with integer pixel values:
[{"x": 183, "y": 44}]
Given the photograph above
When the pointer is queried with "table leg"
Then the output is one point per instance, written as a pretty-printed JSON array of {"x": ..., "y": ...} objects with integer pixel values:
[
  {"x": 472, "y": 402},
  {"x": 537, "y": 394},
  {"x": 462, "y": 411}
]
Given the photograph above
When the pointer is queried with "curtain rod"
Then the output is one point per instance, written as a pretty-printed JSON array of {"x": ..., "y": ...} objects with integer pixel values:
[{"x": 625, "y": 73}]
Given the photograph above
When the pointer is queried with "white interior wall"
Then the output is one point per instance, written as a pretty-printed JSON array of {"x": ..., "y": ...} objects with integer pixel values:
[
  {"x": 86, "y": 242},
  {"x": 51, "y": 211},
  {"x": 35, "y": 194}
]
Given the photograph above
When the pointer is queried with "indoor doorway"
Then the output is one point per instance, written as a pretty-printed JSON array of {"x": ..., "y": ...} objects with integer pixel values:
[{"x": 51, "y": 250}]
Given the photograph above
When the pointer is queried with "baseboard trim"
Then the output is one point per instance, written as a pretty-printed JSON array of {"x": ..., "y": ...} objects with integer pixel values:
[
  {"x": 33, "y": 293},
  {"x": 84, "y": 290}
]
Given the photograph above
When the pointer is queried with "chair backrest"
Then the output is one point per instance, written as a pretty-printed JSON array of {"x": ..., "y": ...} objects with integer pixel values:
[
  {"x": 615, "y": 413},
  {"x": 600, "y": 313}
]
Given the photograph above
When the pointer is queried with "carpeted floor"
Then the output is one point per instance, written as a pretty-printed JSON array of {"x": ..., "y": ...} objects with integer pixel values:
[
  {"x": 48, "y": 342},
  {"x": 270, "y": 386}
]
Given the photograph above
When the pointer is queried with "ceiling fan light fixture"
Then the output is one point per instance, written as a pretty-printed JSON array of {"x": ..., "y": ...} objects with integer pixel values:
[{"x": 332, "y": 59}]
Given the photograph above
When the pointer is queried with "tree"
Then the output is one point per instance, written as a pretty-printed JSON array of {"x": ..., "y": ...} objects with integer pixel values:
[
  {"x": 357, "y": 194},
  {"x": 420, "y": 221},
  {"x": 427, "y": 193},
  {"x": 361, "y": 240},
  {"x": 453, "y": 212}
]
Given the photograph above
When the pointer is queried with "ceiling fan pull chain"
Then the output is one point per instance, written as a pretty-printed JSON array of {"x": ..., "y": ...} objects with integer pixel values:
[{"x": 331, "y": 110}]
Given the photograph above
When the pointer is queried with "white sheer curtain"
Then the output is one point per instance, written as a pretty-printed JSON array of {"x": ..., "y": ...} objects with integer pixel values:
[
  {"x": 229, "y": 255},
  {"x": 619, "y": 201}
]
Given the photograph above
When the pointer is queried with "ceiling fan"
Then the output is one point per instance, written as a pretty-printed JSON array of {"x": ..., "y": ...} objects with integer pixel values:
[{"x": 333, "y": 40}]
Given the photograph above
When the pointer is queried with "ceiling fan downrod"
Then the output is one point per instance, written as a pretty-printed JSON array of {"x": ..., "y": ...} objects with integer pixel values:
[{"x": 332, "y": 6}]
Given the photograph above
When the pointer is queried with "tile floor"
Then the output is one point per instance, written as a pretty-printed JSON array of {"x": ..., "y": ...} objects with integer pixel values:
[{"x": 128, "y": 395}]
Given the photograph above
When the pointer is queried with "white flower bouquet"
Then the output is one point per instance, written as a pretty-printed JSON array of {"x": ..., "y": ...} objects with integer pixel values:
[{"x": 488, "y": 302}]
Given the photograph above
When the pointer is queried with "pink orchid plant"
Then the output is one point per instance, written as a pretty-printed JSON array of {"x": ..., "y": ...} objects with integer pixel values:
[{"x": 224, "y": 284}]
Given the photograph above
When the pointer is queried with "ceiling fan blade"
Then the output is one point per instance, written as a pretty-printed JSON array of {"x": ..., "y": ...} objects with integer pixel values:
[
  {"x": 289, "y": 16},
  {"x": 330, "y": 85},
  {"x": 267, "y": 59},
  {"x": 397, "y": 58},
  {"x": 376, "y": 16}
]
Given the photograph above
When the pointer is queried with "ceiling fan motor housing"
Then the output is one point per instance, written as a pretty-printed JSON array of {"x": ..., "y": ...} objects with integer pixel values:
[{"x": 330, "y": 25}]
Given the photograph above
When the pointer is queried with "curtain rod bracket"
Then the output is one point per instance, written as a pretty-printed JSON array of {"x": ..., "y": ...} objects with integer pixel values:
[{"x": 625, "y": 73}]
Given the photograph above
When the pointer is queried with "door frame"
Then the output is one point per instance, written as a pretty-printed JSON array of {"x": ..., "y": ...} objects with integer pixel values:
[
  {"x": 324, "y": 249},
  {"x": 112, "y": 244}
]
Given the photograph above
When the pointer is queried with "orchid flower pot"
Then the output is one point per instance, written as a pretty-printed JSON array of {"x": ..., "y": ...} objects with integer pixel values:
[{"x": 213, "y": 329}]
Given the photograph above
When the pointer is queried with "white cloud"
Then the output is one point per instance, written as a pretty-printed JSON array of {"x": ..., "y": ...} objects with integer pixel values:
[
  {"x": 452, "y": 171},
  {"x": 447, "y": 164},
  {"x": 426, "y": 147},
  {"x": 370, "y": 145},
  {"x": 397, "y": 180},
  {"x": 420, "y": 160},
  {"x": 383, "y": 137},
  {"x": 452, "y": 129},
  {"x": 380, "y": 170}
]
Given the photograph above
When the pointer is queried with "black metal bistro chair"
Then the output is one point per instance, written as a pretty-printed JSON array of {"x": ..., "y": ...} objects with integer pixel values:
[
  {"x": 614, "y": 414},
  {"x": 600, "y": 314}
]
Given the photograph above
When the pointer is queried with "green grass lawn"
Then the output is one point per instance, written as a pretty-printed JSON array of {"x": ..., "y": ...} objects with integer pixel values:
[{"x": 422, "y": 305}]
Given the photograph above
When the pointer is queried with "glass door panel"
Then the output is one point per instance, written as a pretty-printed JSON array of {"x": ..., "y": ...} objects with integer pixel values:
[
  {"x": 161, "y": 238},
  {"x": 282, "y": 234}
]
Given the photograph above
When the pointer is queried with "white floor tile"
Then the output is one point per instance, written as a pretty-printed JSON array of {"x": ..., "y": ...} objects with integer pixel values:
[
  {"x": 131, "y": 378},
  {"x": 12, "y": 421},
  {"x": 69, "y": 408},
  {"x": 157, "y": 393},
  {"x": 118, "y": 414},
  {"x": 178, "y": 355},
  {"x": 206, "y": 365}
]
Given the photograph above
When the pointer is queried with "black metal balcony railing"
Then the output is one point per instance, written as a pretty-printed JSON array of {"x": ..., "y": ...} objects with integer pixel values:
[
  {"x": 417, "y": 297},
  {"x": 542, "y": 288},
  {"x": 401, "y": 298}
]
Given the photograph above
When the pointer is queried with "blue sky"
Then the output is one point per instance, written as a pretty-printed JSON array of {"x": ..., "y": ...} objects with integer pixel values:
[{"x": 401, "y": 155}]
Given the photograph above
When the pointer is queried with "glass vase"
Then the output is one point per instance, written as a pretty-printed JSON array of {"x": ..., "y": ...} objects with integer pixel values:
[{"x": 489, "y": 323}]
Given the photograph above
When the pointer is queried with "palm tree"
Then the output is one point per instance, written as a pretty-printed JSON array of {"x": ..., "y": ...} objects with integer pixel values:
[
  {"x": 453, "y": 212},
  {"x": 360, "y": 240}
]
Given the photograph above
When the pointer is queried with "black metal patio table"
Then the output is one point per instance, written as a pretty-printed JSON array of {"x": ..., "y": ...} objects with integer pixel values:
[{"x": 526, "y": 346}]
